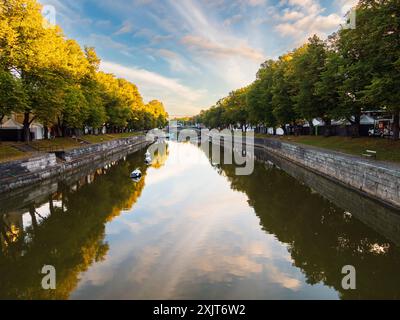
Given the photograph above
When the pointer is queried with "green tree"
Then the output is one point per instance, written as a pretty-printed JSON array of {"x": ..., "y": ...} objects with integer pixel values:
[
  {"x": 12, "y": 94},
  {"x": 259, "y": 97},
  {"x": 353, "y": 47},
  {"x": 308, "y": 64},
  {"x": 282, "y": 92},
  {"x": 383, "y": 55}
]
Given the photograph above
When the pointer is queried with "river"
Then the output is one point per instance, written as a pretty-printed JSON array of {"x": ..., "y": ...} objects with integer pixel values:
[{"x": 192, "y": 229}]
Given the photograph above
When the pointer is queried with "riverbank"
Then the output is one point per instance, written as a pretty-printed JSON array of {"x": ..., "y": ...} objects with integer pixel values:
[
  {"x": 10, "y": 151},
  {"x": 386, "y": 149},
  {"x": 42, "y": 166},
  {"x": 376, "y": 179}
]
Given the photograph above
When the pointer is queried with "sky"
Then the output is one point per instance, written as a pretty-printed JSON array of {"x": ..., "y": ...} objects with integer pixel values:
[{"x": 190, "y": 53}]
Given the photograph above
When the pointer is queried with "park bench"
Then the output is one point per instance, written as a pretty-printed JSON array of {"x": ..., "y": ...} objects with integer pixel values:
[{"x": 371, "y": 154}]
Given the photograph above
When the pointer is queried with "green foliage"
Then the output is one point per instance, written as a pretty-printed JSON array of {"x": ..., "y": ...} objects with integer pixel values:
[
  {"x": 51, "y": 79},
  {"x": 12, "y": 94},
  {"x": 353, "y": 70}
]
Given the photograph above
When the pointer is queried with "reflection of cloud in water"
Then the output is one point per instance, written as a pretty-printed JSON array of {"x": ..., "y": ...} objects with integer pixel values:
[{"x": 190, "y": 236}]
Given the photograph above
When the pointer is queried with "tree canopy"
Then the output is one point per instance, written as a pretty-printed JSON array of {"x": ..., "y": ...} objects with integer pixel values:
[
  {"x": 51, "y": 79},
  {"x": 352, "y": 71}
]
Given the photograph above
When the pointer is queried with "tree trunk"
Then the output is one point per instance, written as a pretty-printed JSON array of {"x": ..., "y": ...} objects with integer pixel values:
[
  {"x": 64, "y": 131},
  {"x": 59, "y": 131},
  {"x": 328, "y": 127},
  {"x": 27, "y": 124},
  {"x": 356, "y": 126},
  {"x": 51, "y": 205},
  {"x": 396, "y": 125},
  {"x": 46, "y": 132},
  {"x": 312, "y": 128},
  {"x": 32, "y": 213}
]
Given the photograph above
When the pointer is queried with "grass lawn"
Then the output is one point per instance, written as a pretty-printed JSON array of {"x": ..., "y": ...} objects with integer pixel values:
[
  {"x": 8, "y": 153},
  {"x": 56, "y": 144},
  {"x": 108, "y": 137},
  {"x": 388, "y": 150}
]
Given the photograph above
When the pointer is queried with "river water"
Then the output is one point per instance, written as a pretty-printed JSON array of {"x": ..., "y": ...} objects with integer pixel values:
[{"x": 191, "y": 229}]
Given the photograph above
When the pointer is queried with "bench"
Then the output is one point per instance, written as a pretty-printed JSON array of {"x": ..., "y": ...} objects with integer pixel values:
[{"x": 370, "y": 154}]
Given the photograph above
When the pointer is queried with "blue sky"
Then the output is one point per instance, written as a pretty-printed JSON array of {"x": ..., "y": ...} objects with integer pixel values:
[{"x": 190, "y": 53}]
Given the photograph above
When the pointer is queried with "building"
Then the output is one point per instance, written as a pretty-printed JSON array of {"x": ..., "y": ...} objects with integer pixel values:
[{"x": 11, "y": 129}]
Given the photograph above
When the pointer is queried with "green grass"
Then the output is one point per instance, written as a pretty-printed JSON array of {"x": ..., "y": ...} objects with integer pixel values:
[
  {"x": 108, "y": 137},
  {"x": 55, "y": 144},
  {"x": 8, "y": 153},
  {"x": 387, "y": 150},
  {"x": 96, "y": 139}
]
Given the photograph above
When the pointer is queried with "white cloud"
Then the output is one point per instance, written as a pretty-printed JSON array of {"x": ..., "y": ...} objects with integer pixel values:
[
  {"x": 303, "y": 18},
  {"x": 345, "y": 5},
  {"x": 179, "y": 99},
  {"x": 220, "y": 50},
  {"x": 127, "y": 27},
  {"x": 233, "y": 20},
  {"x": 292, "y": 15},
  {"x": 177, "y": 62},
  {"x": 227, "y": 58}
]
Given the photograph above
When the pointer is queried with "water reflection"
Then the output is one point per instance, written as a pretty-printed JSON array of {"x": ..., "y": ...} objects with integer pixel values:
[
  {"x": 66, "y": 230},
  {"x": 323, "y": 237},
  {"x": 189, "y": 229}
]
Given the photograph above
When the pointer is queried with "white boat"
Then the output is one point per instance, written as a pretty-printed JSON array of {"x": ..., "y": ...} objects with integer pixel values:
[
  {"x": 147, "y": 155},
  {"x": 148, "y": 160},
  {"x": 137, "y": 174}
]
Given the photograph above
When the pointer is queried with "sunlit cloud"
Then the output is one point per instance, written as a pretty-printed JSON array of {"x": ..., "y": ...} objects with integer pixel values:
[
  {"x": 156, "y": 86},
  {"x": 191, "y": 53}
]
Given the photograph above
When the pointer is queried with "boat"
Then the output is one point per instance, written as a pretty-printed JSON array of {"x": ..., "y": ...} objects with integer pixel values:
[
  {"x": 148, "y": 160},
  {"x": 147, "y": 155},
  {"x": 137, "y": 174}
]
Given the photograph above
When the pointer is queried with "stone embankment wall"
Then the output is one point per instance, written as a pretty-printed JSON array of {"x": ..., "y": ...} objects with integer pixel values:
[
  {"x": 384, "y": 220},
  {"x": 379, "y": 180},
  {"x": 26, "y": 172}
]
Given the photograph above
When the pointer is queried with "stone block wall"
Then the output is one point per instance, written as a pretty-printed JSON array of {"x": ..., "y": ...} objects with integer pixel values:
[
  {"x": 22, "y": 173},
  {"x": 377, "y": 179}
]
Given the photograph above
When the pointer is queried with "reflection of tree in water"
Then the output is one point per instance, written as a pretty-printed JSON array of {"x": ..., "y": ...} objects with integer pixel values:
[
  {"x": 321, "y": 237},
  {"x": 160, "y": 154},
  {"x": 71, "y": 237}
]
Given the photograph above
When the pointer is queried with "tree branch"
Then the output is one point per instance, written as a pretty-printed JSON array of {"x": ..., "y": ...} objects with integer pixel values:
[{"x": 33, "y": 119}]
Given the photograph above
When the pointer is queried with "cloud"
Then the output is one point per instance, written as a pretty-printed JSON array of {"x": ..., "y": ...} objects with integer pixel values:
[
  {"x": 292, "y": 15},
  {"x": 213, "y": 44},
  {"x": 100, "y": 40},
  {"x": 127, "y": 27},
  {"x": 255, "y": 3},
  {"x": 177, "y": 62},
  {"x": 220, "y": 50},
  {"x": 345, "y": 5},
  {"x": 303, "y": 18},
  {"x": 233, "y": 20},
  {"x": 178, "y": 98}
]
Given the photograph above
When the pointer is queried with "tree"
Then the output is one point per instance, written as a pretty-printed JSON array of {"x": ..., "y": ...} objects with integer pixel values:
[
  {"x": 157, "y": 111},
  {"x": 327, "y": 88},
  {"x": 282, "y": 91},
  {"x": 259, "y": 96},
  {"x": 352, "y": 45},
  {"x": 383, "y": 56},
  {"x": 92, "y": 91},
  {"x": 35, "y": 54},
  {"x": 51, "y": 79},
  {"x": 308, "y": 64},
  {"x": 75, "y": 110},
  {"x": 12, "y": 95}
]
